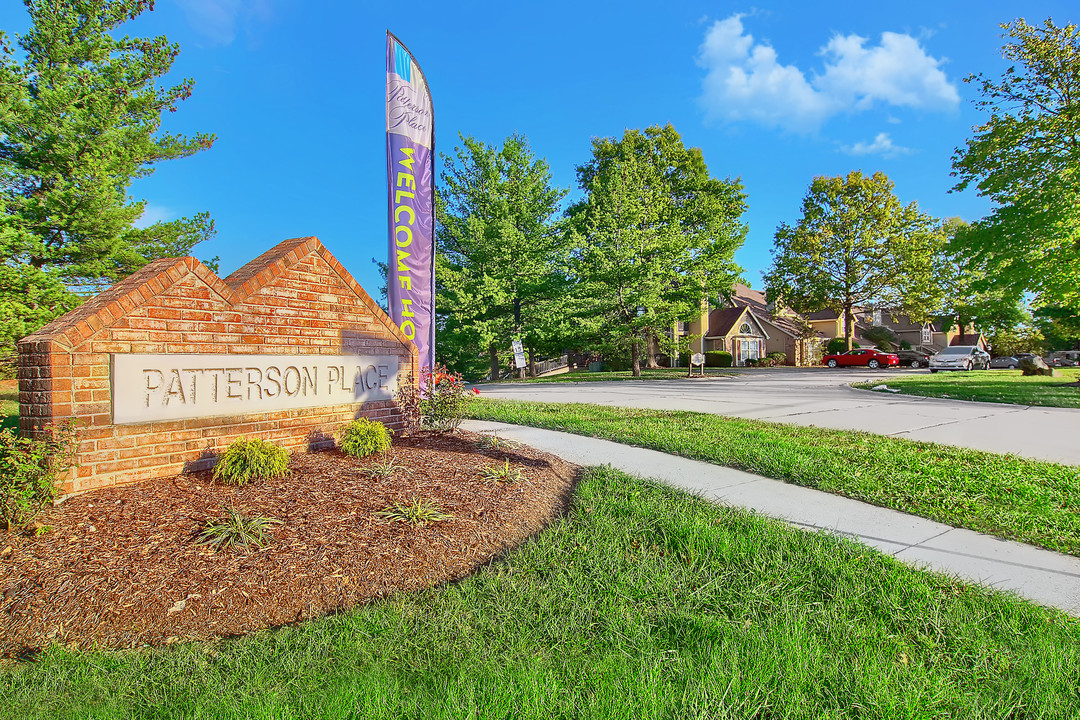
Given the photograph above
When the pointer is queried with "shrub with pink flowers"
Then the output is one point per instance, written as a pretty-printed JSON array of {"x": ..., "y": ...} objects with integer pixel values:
[{"x": 442, "y": 406}]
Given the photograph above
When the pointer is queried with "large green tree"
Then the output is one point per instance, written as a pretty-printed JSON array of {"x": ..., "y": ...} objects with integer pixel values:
[
  {"x": 80, "y": 119},
  {"x": 501, "y": 255},
  {"x": 857, "y": 245},
  {"x": 656, "y": 237},
  {"x": 969, "y": 299},
  {"x": 1026, "y": 159}
]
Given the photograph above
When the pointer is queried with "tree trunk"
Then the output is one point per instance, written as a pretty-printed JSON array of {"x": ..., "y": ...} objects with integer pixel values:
[
  {"x": 849, "y": 326},
  {"x": 493, "y": 355},
  {"x": 635, "y": 358},
  {"x": 650, "y": 358},
  {"x": 532, "y": 363}
]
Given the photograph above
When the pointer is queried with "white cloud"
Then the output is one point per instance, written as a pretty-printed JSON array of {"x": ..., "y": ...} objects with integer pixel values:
[
  {"x": 745, "y": 80},
  {"x": 881, "y": 145},
  {"x": 218, "y": 20},
  {"x": 152, "y": 214}
]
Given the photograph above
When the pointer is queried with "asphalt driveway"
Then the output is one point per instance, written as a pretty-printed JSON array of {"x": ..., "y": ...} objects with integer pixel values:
[{"x": 822, "y": 397}]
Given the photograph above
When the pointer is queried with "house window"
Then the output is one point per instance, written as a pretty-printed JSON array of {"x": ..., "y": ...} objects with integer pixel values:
[
  {"x": 748, "y": 349},
  {"x": 745, "y": 329},
  {"x": 927, "y": 335}
]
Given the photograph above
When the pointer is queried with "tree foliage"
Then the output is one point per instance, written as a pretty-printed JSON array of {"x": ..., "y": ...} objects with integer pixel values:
[
  {"x": 969, "y": 298},
  {"x": 1060, "y": 326},
  {"x": 856, "y": 245},
  {"x": 501, "y": 255},
  {"x": 80, "y": 115},
  {"x": 655, "y": 235},
  {"x": 1026, "y": 159}
]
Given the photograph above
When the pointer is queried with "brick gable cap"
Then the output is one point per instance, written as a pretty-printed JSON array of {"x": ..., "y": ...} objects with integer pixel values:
[{"x": 156, "y": 277}]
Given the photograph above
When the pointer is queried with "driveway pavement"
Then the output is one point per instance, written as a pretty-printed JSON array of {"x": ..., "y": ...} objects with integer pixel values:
[
  {"x": 1046, "y": 577},
  {"x": 821, "y": 397}
]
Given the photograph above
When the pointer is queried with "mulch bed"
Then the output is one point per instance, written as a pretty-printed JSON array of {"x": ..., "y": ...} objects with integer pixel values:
[{"x": 121, "y": 568}]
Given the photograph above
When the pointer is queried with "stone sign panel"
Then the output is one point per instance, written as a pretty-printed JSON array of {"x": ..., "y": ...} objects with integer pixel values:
[
  {"x": 166, "y": 368},
  {"x": 175, "y": 387}
]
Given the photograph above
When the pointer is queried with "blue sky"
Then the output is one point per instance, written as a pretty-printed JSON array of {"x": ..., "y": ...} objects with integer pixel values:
[{"x": 774, "y": 94}]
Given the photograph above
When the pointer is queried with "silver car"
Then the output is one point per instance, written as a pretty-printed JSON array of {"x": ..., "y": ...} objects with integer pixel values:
[
  {"x": 1005, "y": 362},
  {"x": 960, "y": 357}
]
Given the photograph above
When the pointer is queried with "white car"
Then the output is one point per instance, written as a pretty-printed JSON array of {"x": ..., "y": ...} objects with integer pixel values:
[{"x": 960, "y": 357}]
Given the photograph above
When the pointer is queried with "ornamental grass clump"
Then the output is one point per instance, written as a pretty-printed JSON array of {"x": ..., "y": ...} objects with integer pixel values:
[
  {"x": 245, "y": 460},
  {"x": 504, "y": 473},
  {"x": 236, "y": 529},
  {"x": 362, "y": 437},
  {"x": 494, "y": 442},
  {"x": 420, "y": 511},
  {"x": 30, "y": 471},
  {"x": 384, "y": 469}
]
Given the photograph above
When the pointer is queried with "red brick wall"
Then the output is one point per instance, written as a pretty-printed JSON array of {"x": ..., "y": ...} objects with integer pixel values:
[{"x": 296, "y": 299}]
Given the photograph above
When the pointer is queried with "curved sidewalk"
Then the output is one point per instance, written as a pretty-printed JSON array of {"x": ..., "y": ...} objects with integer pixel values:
[{"x": 1041, "y": 575}]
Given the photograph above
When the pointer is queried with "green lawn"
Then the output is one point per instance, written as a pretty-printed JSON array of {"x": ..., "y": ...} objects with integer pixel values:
[
  {"x": 9, "y": 404},
  {"x": 660, "y": 374},
  {"x": 1026, "y": 500},
  {"x": 1002, "y": 386},
  {"x": 644, "y": 603}
]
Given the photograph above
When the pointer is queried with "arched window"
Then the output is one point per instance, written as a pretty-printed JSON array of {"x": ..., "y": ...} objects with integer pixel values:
[{"x": 745, "y": 329}]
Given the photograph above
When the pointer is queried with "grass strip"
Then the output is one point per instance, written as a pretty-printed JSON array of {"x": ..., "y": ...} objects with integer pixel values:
[
  {"x": 642, "y": 602},
  {"x": 9, "y": 404},
  {"x": 999, "y": 386},
  {"x": 1004, "y": 495}
]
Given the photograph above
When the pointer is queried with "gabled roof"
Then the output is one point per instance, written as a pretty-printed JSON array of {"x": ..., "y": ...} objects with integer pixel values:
[
  {"x": 723, "y": 320},
  {"x": 822, "y": 315},
  {"x": 754, "y": 299},
  {"x": 155, "y": 278}
]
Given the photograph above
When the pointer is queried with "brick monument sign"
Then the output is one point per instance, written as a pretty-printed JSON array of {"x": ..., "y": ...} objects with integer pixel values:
[{"x": 169, "y": 366}]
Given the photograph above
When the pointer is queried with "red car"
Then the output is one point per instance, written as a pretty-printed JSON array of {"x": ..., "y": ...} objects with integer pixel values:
[{"x": 863, "y": 356}]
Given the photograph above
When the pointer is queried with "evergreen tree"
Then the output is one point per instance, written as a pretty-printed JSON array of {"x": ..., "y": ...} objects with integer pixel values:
[{"x": 79, "y": 120}]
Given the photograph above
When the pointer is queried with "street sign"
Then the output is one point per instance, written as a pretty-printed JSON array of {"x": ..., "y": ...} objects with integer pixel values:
[
  {"x": 697, "y": 359},
  {"x": 519, "y": 354}
]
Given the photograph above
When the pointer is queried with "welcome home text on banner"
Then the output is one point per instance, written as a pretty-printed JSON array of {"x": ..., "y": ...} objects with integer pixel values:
[{"x": 410, "y": 174}]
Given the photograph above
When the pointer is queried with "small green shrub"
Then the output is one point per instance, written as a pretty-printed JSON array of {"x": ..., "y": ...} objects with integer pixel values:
[
  {"x": 779, "y": 357},
  {"x": 838, "y": 345},
  {"x": 503, "y": 473},
  {"x": 245, "y": 460},
  {"x": 419, "y": 512},
  {"x": 236, "y": 529},
  {"x": 718, "y": 358},
  {"x": 30, "y": 470},
  {"x": 362, "y": 437}
]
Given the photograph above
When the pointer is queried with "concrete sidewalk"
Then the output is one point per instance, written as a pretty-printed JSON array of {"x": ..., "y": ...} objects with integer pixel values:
[{"x": 1046, "y": 577}]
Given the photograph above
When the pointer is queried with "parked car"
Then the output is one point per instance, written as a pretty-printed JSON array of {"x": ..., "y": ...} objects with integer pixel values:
[
  {"x": 1063, "y": 358},
  {"x": 863, "y": 356},
  {"x": 1005, "y": 362},
  {"x": 913, "y": 358},
  {"x": 960, "y": 357}
]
